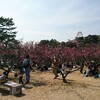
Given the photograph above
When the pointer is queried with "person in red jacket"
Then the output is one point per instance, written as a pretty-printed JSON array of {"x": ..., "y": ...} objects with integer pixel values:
[{"x": 55, "y": 64}]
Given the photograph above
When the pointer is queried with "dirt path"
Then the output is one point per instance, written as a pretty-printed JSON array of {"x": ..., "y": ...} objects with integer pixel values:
[{"x": 44, "y": 87}]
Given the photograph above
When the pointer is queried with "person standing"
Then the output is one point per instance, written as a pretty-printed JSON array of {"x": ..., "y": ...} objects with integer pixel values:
[
  {"x": 55, "y": 64},
  {"x": 27, "y": 64}
]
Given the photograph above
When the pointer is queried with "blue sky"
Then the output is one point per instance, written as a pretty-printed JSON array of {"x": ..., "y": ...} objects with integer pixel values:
[{"x": 52, "y": 19}]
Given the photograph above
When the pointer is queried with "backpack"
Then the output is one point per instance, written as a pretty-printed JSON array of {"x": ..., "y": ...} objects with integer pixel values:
[{"x": 26, "y": 63}]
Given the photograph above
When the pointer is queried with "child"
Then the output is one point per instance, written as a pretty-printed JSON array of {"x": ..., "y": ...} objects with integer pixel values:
[{"x": 20, "y": 74}]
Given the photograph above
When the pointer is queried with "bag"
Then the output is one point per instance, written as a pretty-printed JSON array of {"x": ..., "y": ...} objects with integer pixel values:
[{"x": 26, "y": 63}]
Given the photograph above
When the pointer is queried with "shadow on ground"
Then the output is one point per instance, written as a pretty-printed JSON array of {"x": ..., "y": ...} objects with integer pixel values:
[
  {"x": 20, "y": 95},
  {"x": 4, "y": 92},
  {"x": 38, "y": 83}
]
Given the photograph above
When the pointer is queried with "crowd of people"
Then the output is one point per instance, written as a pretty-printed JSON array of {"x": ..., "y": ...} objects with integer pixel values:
[{"x": 91, "y": 68}]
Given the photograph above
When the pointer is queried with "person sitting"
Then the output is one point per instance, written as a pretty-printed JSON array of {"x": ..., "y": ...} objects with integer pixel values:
[
  {"x": 3, "y": 77},
  {"x": 97, "y": 72}
]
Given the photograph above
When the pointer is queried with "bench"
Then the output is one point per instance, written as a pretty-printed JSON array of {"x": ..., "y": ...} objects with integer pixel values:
[{"x": 14, "y": 88}]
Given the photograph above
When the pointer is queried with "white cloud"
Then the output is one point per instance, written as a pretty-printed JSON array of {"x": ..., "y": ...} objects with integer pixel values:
[{"x": 47, "y": 19}]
